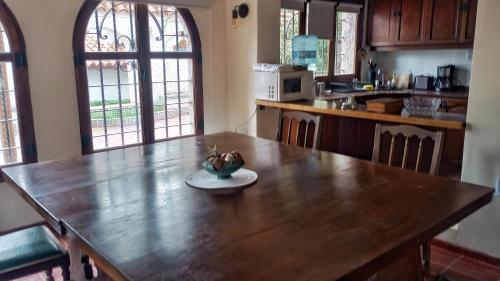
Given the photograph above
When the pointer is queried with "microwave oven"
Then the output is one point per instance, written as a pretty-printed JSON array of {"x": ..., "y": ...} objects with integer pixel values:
[{"x": 282, "y": 86}]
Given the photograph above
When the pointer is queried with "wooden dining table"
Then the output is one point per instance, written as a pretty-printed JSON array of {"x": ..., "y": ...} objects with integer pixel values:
[{"x": 311, "y": 215}]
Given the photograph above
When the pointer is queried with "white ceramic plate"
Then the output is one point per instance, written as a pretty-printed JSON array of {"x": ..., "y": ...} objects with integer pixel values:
[{"x": 239, "y": 180}]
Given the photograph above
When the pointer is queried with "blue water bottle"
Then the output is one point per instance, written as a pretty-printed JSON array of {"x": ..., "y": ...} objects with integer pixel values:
[{"x": 304, "y": 50}]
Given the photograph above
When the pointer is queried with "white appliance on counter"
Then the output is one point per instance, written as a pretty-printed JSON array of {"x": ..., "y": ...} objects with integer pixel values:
[{"x": 281, "y": 83}]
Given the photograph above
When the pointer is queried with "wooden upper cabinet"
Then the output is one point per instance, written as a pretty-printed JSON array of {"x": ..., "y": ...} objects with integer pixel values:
[
  {"x": 409, "y": 22},
  {"x": 468, "y": 26},
  {"x": 421, "y": 23},
  {"x": 443, "y": 21},
  {"x": 381, "y": 22}
]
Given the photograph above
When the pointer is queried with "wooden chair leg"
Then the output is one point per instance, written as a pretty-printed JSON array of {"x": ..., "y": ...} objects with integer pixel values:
[
  {"x": 48, "y": 275},
  {"x": 426, "y": 257}
]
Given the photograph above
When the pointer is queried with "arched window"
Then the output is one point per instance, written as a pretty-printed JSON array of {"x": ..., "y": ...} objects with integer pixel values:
[
  {"x": 138, "y": 71},
  {"x": 17, "y": 136}
]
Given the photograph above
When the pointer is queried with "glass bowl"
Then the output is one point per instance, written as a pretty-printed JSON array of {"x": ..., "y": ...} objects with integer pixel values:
[{"x": 421, "y": 106}]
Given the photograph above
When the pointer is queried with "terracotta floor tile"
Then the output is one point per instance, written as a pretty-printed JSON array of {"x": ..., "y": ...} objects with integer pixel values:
[
  {"x": 466, "y": 269},
  {"x": 41, "y": 276},
  {"x": 482, "y": 265},
  {"x": 441, "y": 259}
]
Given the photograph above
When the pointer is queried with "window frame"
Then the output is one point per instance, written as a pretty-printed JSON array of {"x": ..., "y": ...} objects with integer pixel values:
[
  {"x": 143, "y": 55},
  {"x": 17, "y": 56},
  {"x": 331, "y": 77},
  {"x": 357, "y": 63}
]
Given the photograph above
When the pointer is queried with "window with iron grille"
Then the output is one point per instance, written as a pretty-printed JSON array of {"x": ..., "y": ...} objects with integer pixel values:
[
  {"x": 140, "y": 68},
  {"x": 345, "y": 43},
  {"x": 17, "y": 137},
  {"x": 336, "y": 60},
  {"x": 289, "y": 28}
]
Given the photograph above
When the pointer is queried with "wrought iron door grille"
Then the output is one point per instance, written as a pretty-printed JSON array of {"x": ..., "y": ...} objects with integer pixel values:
[{"x": 118, "y": 64}]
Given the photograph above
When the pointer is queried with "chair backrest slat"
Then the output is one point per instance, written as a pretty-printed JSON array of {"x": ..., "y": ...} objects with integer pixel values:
[
  {"x": 409, "y": 132},
  {"x": 391, "y": 153},
  {"x": 436, "y": 154},
  {"x": 298, "y": 132},
  {"x": 306, "y": 135},
  {"x": 289, "y": 136},
  {"x": 419, "y": 154},
  {"x": 405, "y": 153}
]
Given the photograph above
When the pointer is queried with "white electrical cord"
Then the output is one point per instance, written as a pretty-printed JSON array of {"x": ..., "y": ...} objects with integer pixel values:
[{"x": 246, "y": 122}]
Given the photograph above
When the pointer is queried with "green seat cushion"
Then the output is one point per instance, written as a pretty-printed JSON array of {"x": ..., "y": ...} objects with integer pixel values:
[{"x": 26, "y": 246}]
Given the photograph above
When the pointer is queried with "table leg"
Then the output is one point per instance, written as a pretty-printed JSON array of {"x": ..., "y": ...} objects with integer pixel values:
[
  {"x": 79, "y": 260},
  {"x": 426, "y": 254},
  {"x": 75, "y": 255},
  {"x": 407, "y": 267}
]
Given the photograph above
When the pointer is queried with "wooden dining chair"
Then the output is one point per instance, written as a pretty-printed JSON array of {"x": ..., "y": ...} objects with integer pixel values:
[
  {"x": 409, "y": 132},
  {"x": 299, "y": 128},
  {"x": 32, "y": 250}
]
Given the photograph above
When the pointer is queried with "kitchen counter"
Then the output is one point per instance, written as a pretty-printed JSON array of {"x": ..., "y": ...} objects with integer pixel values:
[{"x": 324, "y": 107}]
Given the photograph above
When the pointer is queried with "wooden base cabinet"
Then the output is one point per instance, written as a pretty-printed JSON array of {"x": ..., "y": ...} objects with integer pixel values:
[
  {"x": 421, "y": 23},
  {"x": 355, "y": 137}
]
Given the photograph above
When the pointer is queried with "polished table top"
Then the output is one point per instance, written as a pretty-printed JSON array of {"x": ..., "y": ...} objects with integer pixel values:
[{"x": 311, "y": 215}]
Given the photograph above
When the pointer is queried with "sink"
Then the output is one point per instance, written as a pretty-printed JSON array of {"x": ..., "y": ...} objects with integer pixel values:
[
  {"x": 348, "y": 90},
  {"x": 345, "y": 88}
]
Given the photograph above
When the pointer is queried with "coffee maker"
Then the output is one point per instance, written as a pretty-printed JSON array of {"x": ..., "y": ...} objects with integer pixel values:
[{"x": 445, "y": 78}]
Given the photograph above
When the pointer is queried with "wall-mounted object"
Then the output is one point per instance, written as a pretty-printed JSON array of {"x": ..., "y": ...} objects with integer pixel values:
[{"x": 239, "y": 12}]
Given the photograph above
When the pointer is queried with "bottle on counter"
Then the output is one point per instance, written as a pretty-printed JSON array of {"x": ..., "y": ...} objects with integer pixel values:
[
  {"x": 393, "y": 81},
  {"x": 410, "y": 82}
]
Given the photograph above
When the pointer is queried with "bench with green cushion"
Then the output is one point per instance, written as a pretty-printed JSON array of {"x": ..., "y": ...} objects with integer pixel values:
[{"x": 29, "y": 251}]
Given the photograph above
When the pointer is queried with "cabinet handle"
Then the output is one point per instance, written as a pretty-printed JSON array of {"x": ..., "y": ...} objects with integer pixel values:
[{"x": 397, "y": 13}]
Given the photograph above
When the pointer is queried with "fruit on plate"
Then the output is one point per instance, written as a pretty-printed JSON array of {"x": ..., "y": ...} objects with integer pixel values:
[{"x": 223, "y": 165}]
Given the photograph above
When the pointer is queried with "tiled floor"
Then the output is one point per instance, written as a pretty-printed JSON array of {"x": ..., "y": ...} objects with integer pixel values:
[{"x": 455, "y": 267}]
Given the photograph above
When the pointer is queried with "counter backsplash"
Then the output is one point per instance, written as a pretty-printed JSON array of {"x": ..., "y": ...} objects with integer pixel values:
[{"x": 422, "y": 62}]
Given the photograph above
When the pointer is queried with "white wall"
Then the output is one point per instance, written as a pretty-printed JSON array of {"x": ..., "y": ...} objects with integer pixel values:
[
  {"x": 255, "y": 40},
  {"x": 48, "y": 30},
  {"x": 481, "y": 163},
  {"x": 212, "y": 25},
  {"x": 422, "y": 62},
  {"x": 268, "y": 52},
  {"x": 242, "y": 54}
]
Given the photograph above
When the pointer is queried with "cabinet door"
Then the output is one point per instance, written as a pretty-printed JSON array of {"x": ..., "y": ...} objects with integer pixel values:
[
  {"x": 381, "y": 27},
  {"x": 469, "y": 12},
  {"x": 444, "y": 21},
  {"x": 410, "y": 19}
]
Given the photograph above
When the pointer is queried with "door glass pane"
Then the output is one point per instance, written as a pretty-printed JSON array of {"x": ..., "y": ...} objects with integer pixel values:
[
  {"x": 345, "y": 43},
  {"x": 114, "y": 103},
  {"x": 322, "y": 58},
  {"x": 111, "y": 28},
  {"x": 10, "y": 143},
  {"x": 173, "y": 97},
  {"x": 4, "y": 40},
  {"x": 168, "y": 31},
  {"x": 289, "y": 28}
]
